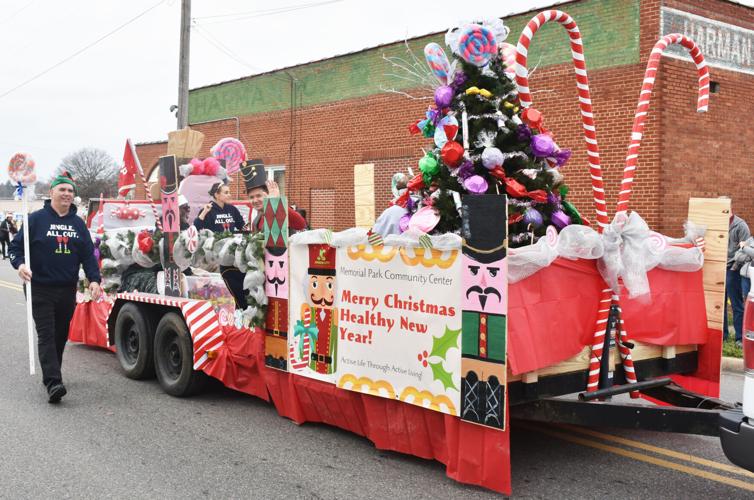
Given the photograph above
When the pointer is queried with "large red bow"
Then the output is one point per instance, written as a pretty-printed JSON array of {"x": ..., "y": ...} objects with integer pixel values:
[
  {"x": 516, "y": 189},
  {"x": 413, "y": 185}
]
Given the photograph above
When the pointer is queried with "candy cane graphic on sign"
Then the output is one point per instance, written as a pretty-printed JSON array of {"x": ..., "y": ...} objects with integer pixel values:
[
  {"x": 585, "y": 97},
  {"x": 642, "y": 107}
]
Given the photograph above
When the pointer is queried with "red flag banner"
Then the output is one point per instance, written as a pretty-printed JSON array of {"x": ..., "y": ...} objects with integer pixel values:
[{"x": 129, "y": 170}]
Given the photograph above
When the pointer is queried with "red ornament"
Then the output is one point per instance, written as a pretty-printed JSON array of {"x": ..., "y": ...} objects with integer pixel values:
[
  {"x": 414, "y": 128},
  {"x": 452, "y": 154},
  {"x": 145, "y": 242},
  {"x": 532, "y": 118},
  {"x": 450, "y": 131}
]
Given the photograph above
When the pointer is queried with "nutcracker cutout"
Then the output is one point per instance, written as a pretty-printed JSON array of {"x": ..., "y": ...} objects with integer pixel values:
[
  {"x": 484, "y": 308},
  {"x": 275, "y": 220},
  {"x": 319, "y": 316}
]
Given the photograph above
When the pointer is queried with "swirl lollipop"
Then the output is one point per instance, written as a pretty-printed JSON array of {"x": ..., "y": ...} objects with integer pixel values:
[
  {"x": 232, "y": 151},
  {"x": 477, "y": 45},
  {"x": 193, "y": 239},
  {"x": 508, "y": 54},
  {"x": 21, "y": 169},
  {"x": 437, "y": 61}
]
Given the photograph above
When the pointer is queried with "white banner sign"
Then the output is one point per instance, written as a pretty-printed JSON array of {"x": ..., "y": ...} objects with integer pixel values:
[{"x": 399, "y": 324}]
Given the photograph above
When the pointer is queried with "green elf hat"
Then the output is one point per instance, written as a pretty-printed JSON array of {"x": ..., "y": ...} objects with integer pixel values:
[{"x": 64, "y": 178}]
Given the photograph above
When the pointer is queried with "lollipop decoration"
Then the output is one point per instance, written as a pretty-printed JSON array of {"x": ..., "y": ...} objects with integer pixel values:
[
  {"x": 508, "y": 55},
  {"x": 21, "y": 169},
  {"x": 232, "y": 151},
  {"x": 193, "y": 239},
  {"x": 477, "y": 45},
  {"x": 437, "y": 61}
]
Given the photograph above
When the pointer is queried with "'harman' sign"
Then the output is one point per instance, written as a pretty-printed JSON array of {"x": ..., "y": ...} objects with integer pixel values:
[{"x": 724, "y": 45}]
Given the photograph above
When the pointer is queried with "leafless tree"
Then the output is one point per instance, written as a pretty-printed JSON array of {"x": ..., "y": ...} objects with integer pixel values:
[{"x": 94, "y": 171}]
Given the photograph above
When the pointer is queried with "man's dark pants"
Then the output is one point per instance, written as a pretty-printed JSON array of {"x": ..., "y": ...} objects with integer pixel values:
[
  {"x": 734, "y": 291},
  {"x": 4, "y": 244},
  {"x": 52, "y": 308}
]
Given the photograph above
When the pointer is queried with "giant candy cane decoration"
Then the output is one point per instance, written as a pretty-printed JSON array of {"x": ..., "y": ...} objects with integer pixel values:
[
  {"x": 585, "y": 97},
  {"x": 642, "y": 107},
  {"x": 624, "y": 196}
]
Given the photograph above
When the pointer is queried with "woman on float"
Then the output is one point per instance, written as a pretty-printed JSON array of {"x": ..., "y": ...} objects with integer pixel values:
[{"x": 221, "y": 216}]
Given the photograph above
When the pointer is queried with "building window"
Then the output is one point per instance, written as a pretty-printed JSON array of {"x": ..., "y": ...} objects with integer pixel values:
[{"x": 277, "y": 173}]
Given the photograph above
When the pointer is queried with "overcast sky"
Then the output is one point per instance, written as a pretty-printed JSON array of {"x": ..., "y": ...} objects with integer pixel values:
[{"x": 124, "y": 84}]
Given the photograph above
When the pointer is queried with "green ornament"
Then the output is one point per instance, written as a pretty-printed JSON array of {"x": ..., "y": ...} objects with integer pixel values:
[{"x": 429, "y": 165}]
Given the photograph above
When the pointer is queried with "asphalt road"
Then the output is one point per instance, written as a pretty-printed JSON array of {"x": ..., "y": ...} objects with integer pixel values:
[{"x": 117, "y": 438}]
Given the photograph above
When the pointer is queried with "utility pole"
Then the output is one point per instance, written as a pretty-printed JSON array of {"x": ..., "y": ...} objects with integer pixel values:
[{"x": 183, "y": 68}]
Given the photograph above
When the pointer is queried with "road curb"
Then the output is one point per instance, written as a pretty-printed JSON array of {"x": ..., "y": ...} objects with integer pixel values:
[{"x": 732, "y": 364}]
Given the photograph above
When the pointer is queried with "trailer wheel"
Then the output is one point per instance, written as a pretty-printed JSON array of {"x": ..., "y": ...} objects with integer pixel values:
[
  {"x": 133, "y": 342},
  {"x": 174, "y": 357}
]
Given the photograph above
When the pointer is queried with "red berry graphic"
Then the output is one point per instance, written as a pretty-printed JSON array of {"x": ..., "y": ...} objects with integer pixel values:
[
  {"x": 424, "y": 363},
  {"x": 419, "y": 357}
]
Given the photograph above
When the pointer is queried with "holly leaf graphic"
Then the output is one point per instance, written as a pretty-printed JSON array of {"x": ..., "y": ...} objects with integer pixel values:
[
  {"x": 440, "y": 373},
  {"x": 440, "y": 345}
]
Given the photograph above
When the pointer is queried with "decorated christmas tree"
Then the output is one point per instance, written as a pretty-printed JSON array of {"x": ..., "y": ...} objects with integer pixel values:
[{"x": 484, "y": 142}]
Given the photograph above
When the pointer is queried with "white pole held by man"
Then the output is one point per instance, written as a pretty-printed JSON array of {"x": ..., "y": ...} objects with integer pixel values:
[{"x": 21, "y": 173}]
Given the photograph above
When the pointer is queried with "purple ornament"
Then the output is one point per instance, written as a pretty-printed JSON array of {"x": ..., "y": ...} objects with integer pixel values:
[
  {"x": 403, "y": 223},
  {"x": 443, "y": 96},
  {"x": 562, "y": 156},
  {"x": 458, "y": 80},
  {"x": 560, "y": 219},
  {"x": 465, "y": 170},
  {"x": 96, "y": 253},
  {"x": 533, "y": 216},
  {"x": 523, "y": 133},
  {"x": 542, "y": 145},
  {"x": 476, "y": 184},
  {"x": 491, "y": 158}
]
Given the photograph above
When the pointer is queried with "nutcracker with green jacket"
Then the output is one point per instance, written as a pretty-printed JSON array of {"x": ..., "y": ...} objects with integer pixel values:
[{"x": 484, "y": 307}]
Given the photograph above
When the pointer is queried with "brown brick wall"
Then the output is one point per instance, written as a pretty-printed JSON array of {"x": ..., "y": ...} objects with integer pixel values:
[
  {"x": 706, "y": 155},
  {"x": 682, "y": 154}
]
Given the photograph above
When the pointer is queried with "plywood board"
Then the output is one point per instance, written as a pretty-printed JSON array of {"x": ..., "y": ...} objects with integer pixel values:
[
  {"x": 364, "y": 216},
  {"x": 363, "y": 175},
  {"x": 714, "y": 302},
  {"x": 363, "y": 190},
  {"x": 363, "y": 195},
  {"x": 714, "y": 213},
  {"x": 710, "y": 212},
  {"x": 716, "y": 246}
]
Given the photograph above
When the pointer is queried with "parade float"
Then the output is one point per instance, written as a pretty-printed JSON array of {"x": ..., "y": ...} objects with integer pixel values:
[{"x": 497, "y": 295}]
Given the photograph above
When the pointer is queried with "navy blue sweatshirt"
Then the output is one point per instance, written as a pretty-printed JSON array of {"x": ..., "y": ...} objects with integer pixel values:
[
  {"x": 58, "y": 245},
  {"x": 218, "y": 220}
]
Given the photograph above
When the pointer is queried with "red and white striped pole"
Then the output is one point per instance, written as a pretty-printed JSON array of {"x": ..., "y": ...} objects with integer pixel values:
[
  {"x": 640, "y": 118},
  {"x": 590, "y": 137},
  {"x": 158, "y": 222},
  {"x": 585, "y": 97}
]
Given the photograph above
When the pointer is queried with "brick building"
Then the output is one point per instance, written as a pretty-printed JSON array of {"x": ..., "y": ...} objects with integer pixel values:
[{"x": 315, "y": 122}]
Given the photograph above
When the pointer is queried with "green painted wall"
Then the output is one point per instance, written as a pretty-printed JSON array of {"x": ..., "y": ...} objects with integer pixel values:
[{"x": 610, "y": 31}]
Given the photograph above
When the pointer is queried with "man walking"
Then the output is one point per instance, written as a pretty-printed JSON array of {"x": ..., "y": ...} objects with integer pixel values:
[
  {"x": 59, "y": 243},
  {"x": 738, "y": 233},
  {"x": 7, "y": 231}
]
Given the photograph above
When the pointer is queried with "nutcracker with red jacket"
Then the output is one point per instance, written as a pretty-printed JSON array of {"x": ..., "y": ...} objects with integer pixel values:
[{"x": 319, "y": 317}]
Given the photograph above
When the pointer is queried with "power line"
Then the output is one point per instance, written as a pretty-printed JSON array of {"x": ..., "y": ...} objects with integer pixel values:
[
  {"x": 241, "y": 16},
  {"x": 80, "y": 51},
  {"x": 17, "y": 12}
]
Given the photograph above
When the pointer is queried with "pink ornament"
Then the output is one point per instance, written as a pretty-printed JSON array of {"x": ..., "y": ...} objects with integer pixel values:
[
  {"x": 211, "y": 166},
  {"x": 425, "y": 219}
]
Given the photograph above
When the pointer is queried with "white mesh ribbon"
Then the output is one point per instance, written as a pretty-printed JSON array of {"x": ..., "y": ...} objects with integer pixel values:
[
  {"x": 117, "y": 243},
  {"x": 573, "y": 242},
  {"x": 139, "y": 257},
  {"x": 413, "y": 239},
  {"x": 624, "y": 257}
]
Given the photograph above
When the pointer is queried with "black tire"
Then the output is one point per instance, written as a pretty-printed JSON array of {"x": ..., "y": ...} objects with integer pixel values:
[
  {"x": 134, "y": 342},
  {"x": 174, "y": 357}
]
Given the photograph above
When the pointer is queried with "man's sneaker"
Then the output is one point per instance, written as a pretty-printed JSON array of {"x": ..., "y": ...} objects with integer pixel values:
[{"x": 56, "y": 393}]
